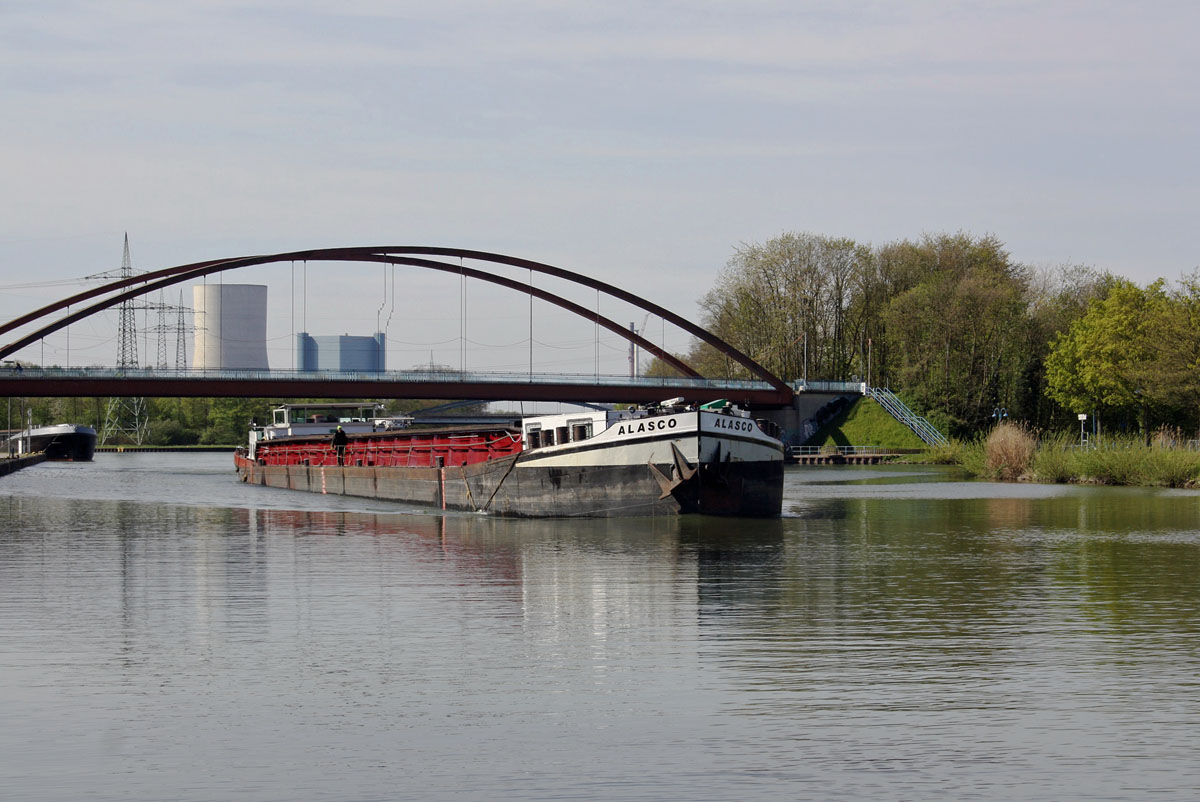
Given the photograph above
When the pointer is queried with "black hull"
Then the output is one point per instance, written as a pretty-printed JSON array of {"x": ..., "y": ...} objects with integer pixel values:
[
  {"x": 508, "y": 488},
  {"x": 72, "y": 448},
  {"x": 67, "y": 443}
]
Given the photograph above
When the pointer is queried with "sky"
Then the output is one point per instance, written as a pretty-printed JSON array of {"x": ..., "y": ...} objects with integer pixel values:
[{"x": 640, "y": 143}]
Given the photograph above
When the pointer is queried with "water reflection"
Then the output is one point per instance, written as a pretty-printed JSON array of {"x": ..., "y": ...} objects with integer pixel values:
[
  {"x": 894, "y": 634},
  {"x": 965, "y": 565}
]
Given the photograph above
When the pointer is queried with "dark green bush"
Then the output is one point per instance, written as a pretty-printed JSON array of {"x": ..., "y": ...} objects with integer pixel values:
[{"x": 170, "y": 433}]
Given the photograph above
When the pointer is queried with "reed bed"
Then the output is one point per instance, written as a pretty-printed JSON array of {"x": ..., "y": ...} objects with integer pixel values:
[
  {"x": 1011, "y": 453},
  {"x": 950, "y": 453},
  {"x": 1053, "y": 461},
  {"x": 1008, "y": 452}
]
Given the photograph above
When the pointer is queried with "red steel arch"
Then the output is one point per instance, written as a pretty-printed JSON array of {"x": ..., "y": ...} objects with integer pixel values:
[
  {"x": 148, "y": 282},
  {"x": 574, "y": 308}
]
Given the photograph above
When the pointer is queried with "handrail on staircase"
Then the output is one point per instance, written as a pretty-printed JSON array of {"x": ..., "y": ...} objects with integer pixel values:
[{"x": 921, "y": 427}]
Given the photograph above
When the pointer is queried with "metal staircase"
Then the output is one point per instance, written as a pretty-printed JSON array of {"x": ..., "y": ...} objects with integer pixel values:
[{"x": 900, "y": 411}]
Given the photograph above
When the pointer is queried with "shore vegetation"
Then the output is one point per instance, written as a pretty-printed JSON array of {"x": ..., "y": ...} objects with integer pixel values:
[
  {"x": 1013, "y": 453},
  {"x": 179, "y": 421},
  {"x": 967, "y": 336},
  {"x": 964, "y": 333}
]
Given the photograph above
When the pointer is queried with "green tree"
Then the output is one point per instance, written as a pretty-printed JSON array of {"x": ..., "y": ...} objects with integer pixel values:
[
  {"x": 229, "y": 419},
  {"x": 1057, "y": 297},
  {"x": 1170, "y": 376},
  {"x": 1103, "y": 362},
  {"x": 955, "y": 327}
]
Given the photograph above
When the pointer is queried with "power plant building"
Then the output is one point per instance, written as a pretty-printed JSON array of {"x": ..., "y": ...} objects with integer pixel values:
[
  {"x": 231, "y": 326},
  {"x": 342, "y": 353}
]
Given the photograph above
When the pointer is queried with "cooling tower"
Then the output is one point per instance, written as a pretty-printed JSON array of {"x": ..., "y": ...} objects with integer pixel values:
[{"x": 231, "y": 326}]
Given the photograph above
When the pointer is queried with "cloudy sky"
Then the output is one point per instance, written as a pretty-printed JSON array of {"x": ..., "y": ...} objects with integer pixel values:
[{"x": 639, "y": 142}]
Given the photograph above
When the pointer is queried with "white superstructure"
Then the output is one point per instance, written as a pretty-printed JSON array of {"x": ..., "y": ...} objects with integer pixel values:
[{"x": 638, "y": 437}]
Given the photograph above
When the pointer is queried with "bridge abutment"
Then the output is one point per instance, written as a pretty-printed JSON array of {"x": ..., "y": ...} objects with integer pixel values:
[{"x": 808, "y": 412}]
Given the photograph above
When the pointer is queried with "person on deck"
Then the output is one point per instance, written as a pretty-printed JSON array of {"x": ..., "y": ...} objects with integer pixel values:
[{"x": 339, "y": 445}]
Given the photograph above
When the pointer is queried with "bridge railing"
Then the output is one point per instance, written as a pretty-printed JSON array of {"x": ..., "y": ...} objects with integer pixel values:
[
  {"x": 829, "y": 387},
  {"x": 448, "y": 377},
  {"x": 856, "y": 451}
]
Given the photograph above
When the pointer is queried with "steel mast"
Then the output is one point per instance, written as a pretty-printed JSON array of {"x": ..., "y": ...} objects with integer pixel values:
[{"x": 126, "y": 416}]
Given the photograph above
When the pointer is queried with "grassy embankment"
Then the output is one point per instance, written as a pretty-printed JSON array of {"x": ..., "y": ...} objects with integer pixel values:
[{"x": 865, "y": 423}]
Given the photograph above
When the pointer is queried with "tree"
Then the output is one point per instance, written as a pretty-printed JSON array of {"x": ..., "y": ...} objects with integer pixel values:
[
  {"x": 1170, "y": 376},
  {"x": 959, "y": 328},
  {"x": 955, "y": 325},
  {"x": 229, "y": 419},
  {"x": 1056, "y": 298},
  {"x": 774, "y": 298},
  {"x": 1103, "y": 361}
]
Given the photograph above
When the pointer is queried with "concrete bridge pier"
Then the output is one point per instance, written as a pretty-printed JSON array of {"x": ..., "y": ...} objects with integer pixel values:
[{"x": 808, "y": 412}]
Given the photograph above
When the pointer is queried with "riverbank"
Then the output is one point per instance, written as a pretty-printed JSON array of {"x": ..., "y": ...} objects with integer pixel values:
[
  {"x": 13, "y": 464},
  {"x": 1013, "y": 453}
]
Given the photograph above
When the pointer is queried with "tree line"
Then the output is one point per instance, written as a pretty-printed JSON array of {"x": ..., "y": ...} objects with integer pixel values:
[
  {"x": 961, "y": 331},
  {"x": 180, "y": 421}
]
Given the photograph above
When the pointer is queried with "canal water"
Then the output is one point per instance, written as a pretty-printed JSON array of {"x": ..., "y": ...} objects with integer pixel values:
[{"x": 167, "y": 633}]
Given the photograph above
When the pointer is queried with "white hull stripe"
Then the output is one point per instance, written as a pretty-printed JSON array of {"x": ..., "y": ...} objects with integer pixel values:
[{"x": 530, "y": 457}]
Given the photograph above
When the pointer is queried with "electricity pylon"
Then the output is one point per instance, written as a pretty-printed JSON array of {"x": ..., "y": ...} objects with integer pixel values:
[
  {"x": 180, "y": 345},
  {"x": 126, "y": 416},
  {"x": 163, "y": 327}
]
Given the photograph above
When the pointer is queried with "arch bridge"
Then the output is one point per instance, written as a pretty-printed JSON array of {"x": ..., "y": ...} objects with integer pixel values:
[{"x": 764, "y": 390}]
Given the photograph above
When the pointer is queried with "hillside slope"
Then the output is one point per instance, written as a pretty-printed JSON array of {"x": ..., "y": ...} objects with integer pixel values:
[{"x": 865, "y": 423}]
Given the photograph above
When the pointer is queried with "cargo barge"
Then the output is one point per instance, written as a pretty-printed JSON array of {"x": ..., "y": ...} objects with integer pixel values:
[
  {"x": 666, "y": 460},
  {"x": 65, "y": 441}
]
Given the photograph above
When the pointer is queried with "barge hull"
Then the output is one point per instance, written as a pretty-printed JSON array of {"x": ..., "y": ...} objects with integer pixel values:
[
  {"x": 72, "y": 448},
  {"x": 64, "y": 442},
  {"x": 506, "y": 487}
]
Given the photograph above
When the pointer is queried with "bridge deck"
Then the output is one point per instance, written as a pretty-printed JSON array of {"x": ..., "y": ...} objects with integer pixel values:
[{"x": 145, "y": 382}]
